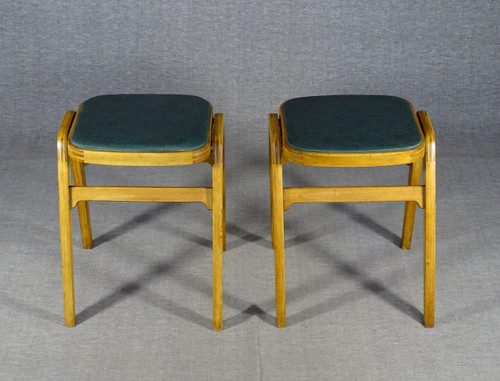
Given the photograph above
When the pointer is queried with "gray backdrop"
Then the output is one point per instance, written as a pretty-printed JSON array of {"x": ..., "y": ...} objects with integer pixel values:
[{"x": 246, "y": 57}]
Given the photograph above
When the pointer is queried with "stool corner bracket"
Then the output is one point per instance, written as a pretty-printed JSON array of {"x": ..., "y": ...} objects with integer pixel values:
[
  {"x": 275, "y": 139},
  {"x": 217, "y": 140},
  {"x": 63, "y": 136}
]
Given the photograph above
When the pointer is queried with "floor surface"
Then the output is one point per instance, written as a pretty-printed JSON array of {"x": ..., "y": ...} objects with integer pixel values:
[{"x": 354, "y": 298}]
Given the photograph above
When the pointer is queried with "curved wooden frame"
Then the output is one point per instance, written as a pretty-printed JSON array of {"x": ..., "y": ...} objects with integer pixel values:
[
  {"x": 131, "y": 158},
  {"x": 350, "y": 159},
  {"x": 414, "y": 194},
  {"x": 79, "y": 194}
]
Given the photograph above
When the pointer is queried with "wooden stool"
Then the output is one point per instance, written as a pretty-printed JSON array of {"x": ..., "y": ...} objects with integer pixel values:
[
  {"x": 139, "y": 130},
  {"x": 354, "y": 131}
]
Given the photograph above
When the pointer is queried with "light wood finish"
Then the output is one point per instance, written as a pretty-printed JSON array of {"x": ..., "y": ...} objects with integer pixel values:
[
  {"x": 271, "y": 178},
  {"x": 218, "y": 219},
  {"x": 413, "y": 193},
  {"x": 65, "y": 219},
  {"x": 429, "y": 219},
  {"x": 144, "y": 194},
  {"x": 83, "y": 206},
  {"x": 79, "y": 194},
  {"x": 277, "y": 229},
  {"x": 139, "y": 158},
  {"x": 353, "y": 194},
  {"x": 219, "y": 123},
  {"x": 410, "y": 206}
]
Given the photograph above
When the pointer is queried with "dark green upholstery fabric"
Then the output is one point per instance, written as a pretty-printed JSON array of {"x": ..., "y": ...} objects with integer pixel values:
[
  {"x": 350, "y": 123},
  {"x": 143, "y": 122}
]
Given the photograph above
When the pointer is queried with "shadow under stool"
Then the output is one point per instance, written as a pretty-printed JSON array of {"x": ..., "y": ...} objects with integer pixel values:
[
  {"x": 139, "y": 130},
  {"x": 354, "y": 131}
]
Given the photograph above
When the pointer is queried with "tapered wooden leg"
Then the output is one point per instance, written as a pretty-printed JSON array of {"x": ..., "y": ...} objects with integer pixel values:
[
  {"x": 83, "y": 206},
  {"x": 276, "y": 179},
  {"x": 218, "y": 220},
  {"x": 410, "y": 206},
  {"x": 279, "y": 246},
  {"x": 430, "y": 243},
  {"x": 429, "y": 220},
  {"x": 65, "y": 220}
]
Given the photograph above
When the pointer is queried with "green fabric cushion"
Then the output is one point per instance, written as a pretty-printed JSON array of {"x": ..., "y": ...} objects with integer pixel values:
[
  {"x": 350, "y": 123},
  {"x": 142, "y": 122}
]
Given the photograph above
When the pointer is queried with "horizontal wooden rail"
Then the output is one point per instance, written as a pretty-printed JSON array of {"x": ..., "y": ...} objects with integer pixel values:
[
  {"x": 147, "y": 194},
  {"x": 353, "y": 194}
]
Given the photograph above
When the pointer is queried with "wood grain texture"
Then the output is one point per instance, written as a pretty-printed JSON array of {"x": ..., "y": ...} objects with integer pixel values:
[
  {"x": 63, "y": 172},
  {"x": 83, "y": 206},
  {"x": 277, "y": 230},
  {"x": 429, "y": 219},
  {"x": 142, "y": 194},
  {"x": 218, "y": 219},
  {"x": 353, "y": 194},
  {"x": 410, "y": 206},
  {"x": 413, "y": 193},
  {"x": 79, "y": 195}
]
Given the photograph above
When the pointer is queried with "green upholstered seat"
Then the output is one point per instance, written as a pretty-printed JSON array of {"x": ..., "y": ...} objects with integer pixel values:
[
  {"x": 350, "y": 123},
  {"x": 143, "y": 122}
]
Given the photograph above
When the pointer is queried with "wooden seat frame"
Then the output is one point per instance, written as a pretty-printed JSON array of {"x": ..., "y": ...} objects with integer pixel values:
[
  {"x": 79, "y": 194},
  {"x": 414, "y": 194}
]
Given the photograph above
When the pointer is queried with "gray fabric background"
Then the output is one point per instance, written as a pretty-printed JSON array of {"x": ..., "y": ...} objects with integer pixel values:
[{"x": 144, "y": 293}]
